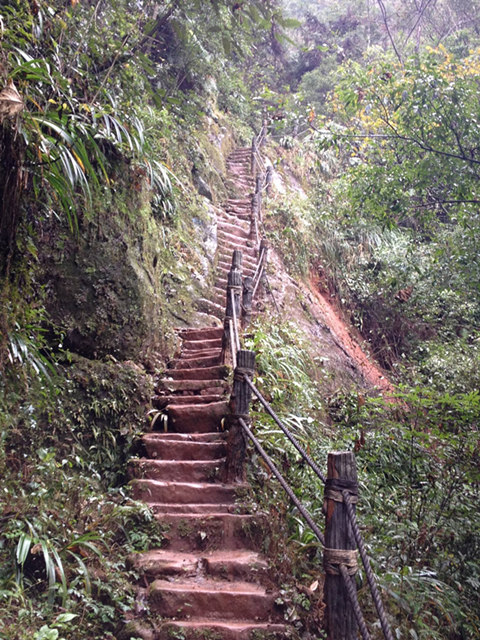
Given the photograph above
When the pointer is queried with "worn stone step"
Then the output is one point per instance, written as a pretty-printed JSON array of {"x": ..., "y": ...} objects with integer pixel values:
[
  {"x": 184, "y": 492},
  {"x": 239, "y": 243},
  {"x": 237, "y": 216},
  {"x": 194, "y": 362},
  {"x": 159, "y": 508},
  {"x": 228, "y": 215},
  {"x": 246, "y": 269},
  {"x": 193, "y": 418},
  {"x": 205, "y": 333},
  {"x": 228, "y": 243},
  {"x": 228, "y": 565},
  {"x": 220, "y": 600},
  {"x": 202, "y": 353},
  {"x": 160, "y": 402},
  {"x": 173, "y": 446},
  {"x": 202, "y": 373},
  {"x": 248, "y": 261},
  {"x": 219, "y": 300},
  {"x": 178, "y": 470},
  {"x": 215, "y": 309},
  {"x": 210, "y": 531},
  {"x": 239, "y": 202},
  {"x": 225, "y": 255},
  {"x": 197, "y": 385},
  {"x": 200, "y": 345},
  {"x": 201, "y": 629}
]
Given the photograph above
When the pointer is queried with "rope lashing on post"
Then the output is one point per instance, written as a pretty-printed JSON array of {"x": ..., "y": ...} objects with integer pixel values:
[
  {"x": 308, "y": 518},
  {"x": 334, "y": 488},
  {"x": 351, "y": 588},
  {"x": 292, "y": 439},
  {"x": 333, "y": 558},
  {"x": 242, "y": 373},
  {"x": 366, "y": 564}
]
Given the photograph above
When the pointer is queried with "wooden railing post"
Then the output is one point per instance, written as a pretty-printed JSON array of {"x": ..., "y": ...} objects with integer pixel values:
[
  {"x": 254, "y": 234},
  {"x": 254, "y": 156},
  {"x": 340, "y": 547},
  {"x": 258, "y": 192},
  {"x": 264, "y": 131},
  {"x": 269, "y": 180},
  {"x": 247, "y": 299},
  {"x": 262, "y": 276},
  {"x": 232, "y": 308},
  {"x": 239, "y": 407}
]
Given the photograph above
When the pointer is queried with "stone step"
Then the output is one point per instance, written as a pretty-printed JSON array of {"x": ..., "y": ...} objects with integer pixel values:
[
  {"x": 169, "y": 446},
  {"x": 230, "y": 244},
  {"x": 159, "y": 508},
  {"x": 232, "y": 213},
  {"x": 236, "y": 169},
  {"x": 242, "y": 217},
  {"x": 187, "y": 352},
  {"x": 214, "y": 308},
  {"x": 219, "y": 299},
  {"x": 184, "y": 492},
  {"x": 204, "y": 333},
  {"x": 201, "y": 629},
  {"x": 246, "y": 270},
  {"x": 178, "y": 470},
  {"x": 213, "y": 600},
  {"x": 228, "y": 565},
  {"x": 160, "y": 402},
  {"x": 199, "y": 345},
  {"x": 197, "y": 385},
  {"x": 228, "y": 215},
  {"x": 240, "y": 243},
  {"x": 211, "y": 530},
  {"x": 195, "y": 362},
  {"x": 201, "y": 373},
  {"x": 225, "y": 255},
  {"x": 239, "y": 202},
  {"x": 194, "y": 418}
]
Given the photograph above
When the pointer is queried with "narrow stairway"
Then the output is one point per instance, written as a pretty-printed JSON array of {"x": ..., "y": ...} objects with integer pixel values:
[{"x": 209, "y": 580}]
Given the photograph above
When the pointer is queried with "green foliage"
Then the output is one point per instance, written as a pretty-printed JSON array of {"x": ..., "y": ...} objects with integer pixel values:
[
  {"x": 290, "y": 224},
  {"x": 418, "y": 461},
  {"x": 286, "y": 377},
  {"x": 66, "y": 528}
]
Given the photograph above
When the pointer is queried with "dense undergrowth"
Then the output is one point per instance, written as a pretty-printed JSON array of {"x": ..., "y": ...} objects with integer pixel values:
[{"x": 418, "y": 464}]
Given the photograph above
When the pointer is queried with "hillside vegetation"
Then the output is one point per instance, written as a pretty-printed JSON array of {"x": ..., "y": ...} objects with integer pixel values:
[{"x": 115, "y": 123}]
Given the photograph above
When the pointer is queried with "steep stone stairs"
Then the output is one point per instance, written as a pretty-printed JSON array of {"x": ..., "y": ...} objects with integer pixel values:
[{"x": 210, "y": 579}]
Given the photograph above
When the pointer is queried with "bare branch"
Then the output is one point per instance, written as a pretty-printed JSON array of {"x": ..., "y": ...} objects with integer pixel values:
[{"x": 385, "y": 22}]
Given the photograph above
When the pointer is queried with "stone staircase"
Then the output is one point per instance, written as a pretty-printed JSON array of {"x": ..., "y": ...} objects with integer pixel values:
[{"x": 210, "y": 580}]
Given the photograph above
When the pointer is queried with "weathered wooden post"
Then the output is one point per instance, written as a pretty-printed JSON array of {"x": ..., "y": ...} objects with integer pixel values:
[
  {"x": 254, "y": 156},
  {"x": 239, "y": 407},
  {"x": 262, "y": 275},
  {"x": 247, "y": 299},
  {"x": 254, "y": 234},
  {"x": 264, "y": 130},
  {"x": 269, "y": 180},
  {"x": 233, "y": 303},
  {"x": 258, "y": 192},
  {"x": 340, "y": 547}
]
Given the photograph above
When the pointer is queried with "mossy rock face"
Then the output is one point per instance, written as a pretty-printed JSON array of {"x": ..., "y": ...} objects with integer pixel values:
[
  {"x": 100, "y": 300},
  {"x": 117, "y": 289}
]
